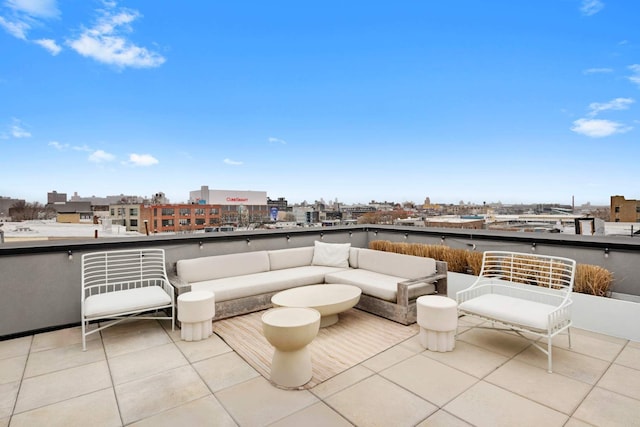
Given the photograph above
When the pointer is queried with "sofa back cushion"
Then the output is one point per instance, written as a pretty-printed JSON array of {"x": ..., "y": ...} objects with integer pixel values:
[
  {"x": 219, "y": 266},
  {"x": 407, "y": 266},
  {"x": 331, "y": 254},
  {"x": 290, "y": 258},
  {"x": 353, "y": 257}
]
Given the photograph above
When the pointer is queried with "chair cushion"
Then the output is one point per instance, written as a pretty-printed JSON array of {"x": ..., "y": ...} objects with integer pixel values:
[
  {"x": 516, "y": 311},
  {"x": 130, "y": 300}
]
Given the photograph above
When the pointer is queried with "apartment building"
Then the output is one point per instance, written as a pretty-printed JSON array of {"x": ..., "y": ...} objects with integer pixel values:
[{"x": 623, "y": 210}]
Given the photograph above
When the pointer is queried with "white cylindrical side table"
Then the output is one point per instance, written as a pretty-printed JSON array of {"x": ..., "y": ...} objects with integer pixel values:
[
  {"x": 195, "y": 312},
  {"x": 438, "y": 320},
  {"x": 290, "y": 330}
]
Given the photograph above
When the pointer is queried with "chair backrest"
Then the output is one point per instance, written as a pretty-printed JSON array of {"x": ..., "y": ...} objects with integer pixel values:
[
  {"x": 539, "y": 270},
  {"x": 118, "y": 270}
]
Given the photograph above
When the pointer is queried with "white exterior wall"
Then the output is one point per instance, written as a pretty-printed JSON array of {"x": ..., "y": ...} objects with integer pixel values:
[{"x": 228, "y": 197}]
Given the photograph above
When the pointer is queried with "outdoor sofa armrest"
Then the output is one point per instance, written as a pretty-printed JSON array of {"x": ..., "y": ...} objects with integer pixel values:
[
  {"x": 180, "y": 285},
  {"x": 439, "y": 278}
]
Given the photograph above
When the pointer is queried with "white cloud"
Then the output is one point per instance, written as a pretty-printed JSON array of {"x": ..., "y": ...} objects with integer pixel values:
[
  {"x": 614, "y": 104},
  {"x": 598, "y": 70},
  {"x": 278, "y": 140},
  {"x": 50, "y": 45},
  {"x": 81, "y": 148},
  {"x": 17, "y": 29},
  {"x": 58, "y": 146},
  {"x": 106, "y": 43},
  {"x": 142, "y": 159},
  {"x": 597, "y": 128},
  {"x": 591, "y": 7},
  {"x": 26, "y": 13},
  {"x": 35, "y": 8},
  {"x": 100, "y": 156},
  {"x": 17, "y": 131},
  {"x": 232, "y": 162},
  {"x": 635, "y": 78}
]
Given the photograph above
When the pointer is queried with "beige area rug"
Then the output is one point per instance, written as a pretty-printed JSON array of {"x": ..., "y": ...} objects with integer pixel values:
[{"x": 355, "y": 338}]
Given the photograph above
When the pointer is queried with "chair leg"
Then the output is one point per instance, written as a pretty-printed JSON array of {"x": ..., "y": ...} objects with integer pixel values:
[
  {"x": 549, "y": 347},
  {"x": 569, "y": 333},
  {"x": 84, "y": 337}
]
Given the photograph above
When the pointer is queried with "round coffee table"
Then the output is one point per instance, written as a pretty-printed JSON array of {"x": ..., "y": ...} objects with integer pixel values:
[{"x": 329, "y": 299}]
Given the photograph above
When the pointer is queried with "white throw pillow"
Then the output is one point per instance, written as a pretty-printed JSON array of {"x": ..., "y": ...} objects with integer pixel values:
[{"x": 331, "y": 254}]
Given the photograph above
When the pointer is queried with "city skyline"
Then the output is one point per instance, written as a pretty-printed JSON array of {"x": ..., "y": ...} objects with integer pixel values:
[{"x": 507, "y": 101}]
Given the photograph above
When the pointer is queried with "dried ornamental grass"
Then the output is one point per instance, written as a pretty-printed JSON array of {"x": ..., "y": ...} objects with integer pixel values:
[
  {"x": 589, "y": 279},
  {"x": 592, "y": 279}
]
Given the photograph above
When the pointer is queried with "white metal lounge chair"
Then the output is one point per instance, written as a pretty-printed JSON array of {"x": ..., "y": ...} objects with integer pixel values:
[
  {"x": 524, "y": 293},
  {"x": 119, "y": 284}
]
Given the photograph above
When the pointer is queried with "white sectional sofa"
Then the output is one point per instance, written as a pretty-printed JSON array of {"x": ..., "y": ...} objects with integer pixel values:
[{"x": 245, "y": 282}]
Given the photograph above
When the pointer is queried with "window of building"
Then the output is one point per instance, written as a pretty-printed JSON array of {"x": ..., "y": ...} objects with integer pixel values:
[
  {"x": 616, "y": 209},
  {"x": 213, "y": 211},
  {"x": 133, "y": 222},
  {"x": 167, "y": 212},
  {"x": 184, "y": 221},
  {"x": 167, "y": 223},
  {"x": 200, "y": 221},
  {"x": 199, "y": 211},
  {"x": 113, "y": 212},
  {"x": 637, "y": 209},
  {"x": 120, "y": 211},
  {"x": 133, "y": 211},
  {"x": 185, "y": 212}
]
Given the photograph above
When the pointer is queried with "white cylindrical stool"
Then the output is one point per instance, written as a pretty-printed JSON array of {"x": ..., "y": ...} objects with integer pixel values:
[
  {"x": 195, "y": 312},
  {"x": 438, "y": 320},
  {"x": 290, "y": 330}
]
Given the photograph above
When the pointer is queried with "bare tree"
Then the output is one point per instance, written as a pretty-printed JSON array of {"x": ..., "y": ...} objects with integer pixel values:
[{"x": 23, "y": 211}]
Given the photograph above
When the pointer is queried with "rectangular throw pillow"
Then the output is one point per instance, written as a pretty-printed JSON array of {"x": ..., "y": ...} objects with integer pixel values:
[{"x": 331, "y": 254}]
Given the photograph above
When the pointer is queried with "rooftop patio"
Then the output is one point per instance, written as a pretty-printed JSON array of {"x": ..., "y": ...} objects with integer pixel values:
[{"x": 141, "y": 373}]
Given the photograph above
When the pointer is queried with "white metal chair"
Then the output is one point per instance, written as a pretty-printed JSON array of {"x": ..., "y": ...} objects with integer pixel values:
[
  {"x": 523, "y": 293},
  {"x": 117, "y": 285}
]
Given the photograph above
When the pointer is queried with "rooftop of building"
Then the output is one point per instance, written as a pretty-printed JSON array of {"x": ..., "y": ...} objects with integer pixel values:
[{"x": 141, "y": 373}]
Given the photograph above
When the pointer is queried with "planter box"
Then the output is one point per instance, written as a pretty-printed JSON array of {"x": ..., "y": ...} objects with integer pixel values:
[{"x": 615, "y": 317}]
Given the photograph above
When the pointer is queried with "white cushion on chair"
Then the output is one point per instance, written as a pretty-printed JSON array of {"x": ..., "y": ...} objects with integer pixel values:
[
  {"x": 510, "y": 310},
  {"x": 129, "y": 300}
]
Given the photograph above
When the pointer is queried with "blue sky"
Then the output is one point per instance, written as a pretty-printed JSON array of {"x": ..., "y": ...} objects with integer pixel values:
[{"x": 480, "y": 101}]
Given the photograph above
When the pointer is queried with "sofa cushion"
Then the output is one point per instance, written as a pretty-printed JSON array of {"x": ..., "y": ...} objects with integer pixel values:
[
  {"x": 219, "y": 266},
  {"x": 516, "y": 311},
  {"x": 289, "y": 258},
  {"x": 260, "y": 283},
  {"x": 374, "y": 284},
  {"x": 353, "y": 257},
  {"x": 331, "y": 254},
  {"x": 406, "y": 266}
]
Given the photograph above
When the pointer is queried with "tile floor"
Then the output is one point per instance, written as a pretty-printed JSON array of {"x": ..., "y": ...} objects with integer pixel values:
[{"x": 141, "y": 374}]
